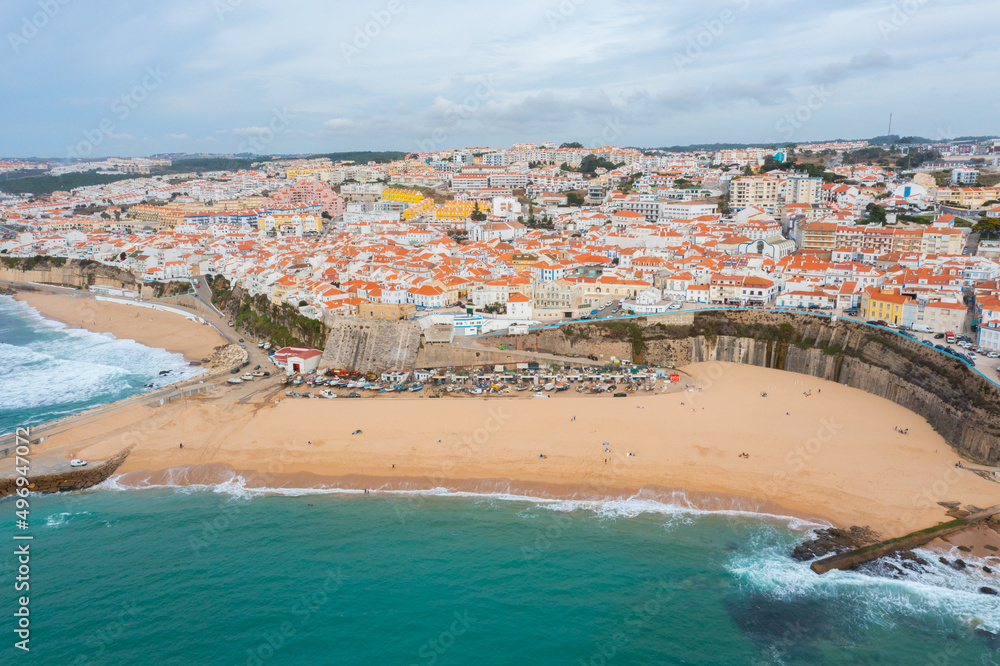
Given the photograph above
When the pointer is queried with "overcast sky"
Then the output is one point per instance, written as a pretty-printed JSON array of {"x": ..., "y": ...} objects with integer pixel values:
[{"x": 118, "y": 77}]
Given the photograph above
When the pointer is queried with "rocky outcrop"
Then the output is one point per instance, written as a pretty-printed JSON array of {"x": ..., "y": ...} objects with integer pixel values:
[
  {"x": 75, "y": 479},
  {"x": 962, "y": 405}
]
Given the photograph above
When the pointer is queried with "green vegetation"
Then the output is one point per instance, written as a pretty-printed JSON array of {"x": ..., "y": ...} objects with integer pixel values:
[
  {"x": 914, "y": 219},
  {"x": 477, "y": 215},
  {"x": 572, "y": 144},
  {"x": 574, "y": 198},
  {"x": 202, "y": 164},
  {"x": 874, "y": 214},
  {"x": 44, "y": 185},
  {"x": 988, "y": 226},
  {"x": 626, "y": 330},
  {"x": 592, "y": 163},
  {"x": 282, "y": 325},
  {"x": 364, "y": 156}
]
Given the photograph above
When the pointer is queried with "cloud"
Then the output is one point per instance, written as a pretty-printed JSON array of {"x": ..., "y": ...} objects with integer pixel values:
[
  {"x": 338, "y": 124},
  {"x": 176, "y": 137},
  {"x": 872, "y": 61}
]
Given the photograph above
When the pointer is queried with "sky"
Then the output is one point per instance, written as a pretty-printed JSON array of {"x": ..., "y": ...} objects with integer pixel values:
[{"x": 82, "y": 78}]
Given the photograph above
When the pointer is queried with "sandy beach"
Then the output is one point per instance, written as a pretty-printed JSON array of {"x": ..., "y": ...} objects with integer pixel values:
[
  {"x": 153, "y": 328},
  {"x": 816, "y": 449}
]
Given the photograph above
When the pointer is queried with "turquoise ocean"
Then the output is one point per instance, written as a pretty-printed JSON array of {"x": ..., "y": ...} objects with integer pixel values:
[{"x": 229, "y": 575}]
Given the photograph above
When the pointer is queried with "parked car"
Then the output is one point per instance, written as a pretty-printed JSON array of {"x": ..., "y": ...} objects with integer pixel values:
[
  {"x": 76, "y": 462},
  {"x": 939, "y": 336},
  {"x": 354, "y": 395},
  {"x": 234, "y": 371}
]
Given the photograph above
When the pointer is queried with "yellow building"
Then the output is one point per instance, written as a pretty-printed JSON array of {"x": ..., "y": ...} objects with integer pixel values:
[
  {"x": 407, "y": 196},
  {"x": 970, "y": 197},
  {"x": 886, "y": 305},
  {"x": 157, "y": 216},
  {"x": 459, "y": 210}
]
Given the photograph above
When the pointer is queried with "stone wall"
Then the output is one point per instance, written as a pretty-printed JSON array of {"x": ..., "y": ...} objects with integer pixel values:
[
  {"x": 75, "y": 479},
  {"x": 371, "y": 345}
]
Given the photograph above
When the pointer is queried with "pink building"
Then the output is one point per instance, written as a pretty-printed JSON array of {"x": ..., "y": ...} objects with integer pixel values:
[{"x": 311, "y": 191}]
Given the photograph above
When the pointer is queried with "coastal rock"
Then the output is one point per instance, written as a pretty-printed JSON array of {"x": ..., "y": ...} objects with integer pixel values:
[
  {"x": 965, "y": 549},
  {"x": 988, "y": 590},
  {"x": 950, "y": 505},
  {"x": 958, "y": 513},
  {"x": 959, "y": 565},
  {"x": 944, "y": 561},
  {"x": 833, "y": 540},
  {"x": 986, "y": 569},
  {"x": 991, "y": 547}
]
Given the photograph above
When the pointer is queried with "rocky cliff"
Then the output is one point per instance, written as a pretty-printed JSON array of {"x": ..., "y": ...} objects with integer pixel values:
[
  {"x": 81, "y": 273},
  {"x": 962, "y": 405}
]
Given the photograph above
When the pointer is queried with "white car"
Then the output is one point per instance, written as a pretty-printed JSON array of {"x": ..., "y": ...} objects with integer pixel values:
[
  {"x": 76, "y": 462},
  {"x": 992, "y": 355}
]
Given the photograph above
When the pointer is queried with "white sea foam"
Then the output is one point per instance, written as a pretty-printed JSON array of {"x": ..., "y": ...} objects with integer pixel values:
[
  {"x": 679, "y": 510},
  {"x": 770, "y": 571},
  {"x": 48, "y": 369},
  {"x": 60, "y": 519}
]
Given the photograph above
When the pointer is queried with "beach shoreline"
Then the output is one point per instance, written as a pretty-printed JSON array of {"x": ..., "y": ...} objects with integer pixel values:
[
  {"x": 816, "y": 449},
  {"x": 152, "y": 328}
]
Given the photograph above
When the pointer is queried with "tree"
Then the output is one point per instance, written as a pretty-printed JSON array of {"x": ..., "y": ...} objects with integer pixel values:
[
  {"x": 875, "y": 214},
  {"x": 748, "y": 170},
  {"x": 477, "y": 215},
  {"x": 572, "y": 144},
  {"x": 987, "y": 226},
  {"x": 574, "y": 198}
]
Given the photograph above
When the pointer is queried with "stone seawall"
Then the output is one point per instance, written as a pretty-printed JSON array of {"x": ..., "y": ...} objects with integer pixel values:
[
  {"x": 371, "y": 345},
  {"x": 75, "y": 479},
  {"x": 962, "y": 405}
]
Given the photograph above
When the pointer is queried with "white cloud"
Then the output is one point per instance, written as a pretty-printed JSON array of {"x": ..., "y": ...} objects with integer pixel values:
[{"x": 338, "y": 124}]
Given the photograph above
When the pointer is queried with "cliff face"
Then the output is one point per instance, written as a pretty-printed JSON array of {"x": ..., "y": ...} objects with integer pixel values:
[
  {"x": 74, "y": 273},
  {"x": 961, "y": 405}
]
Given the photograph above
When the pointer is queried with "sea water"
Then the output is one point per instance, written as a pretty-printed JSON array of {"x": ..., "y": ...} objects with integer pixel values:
[
  {"x": 48, "y": 370},
  {"x": 224, "y": 576}
]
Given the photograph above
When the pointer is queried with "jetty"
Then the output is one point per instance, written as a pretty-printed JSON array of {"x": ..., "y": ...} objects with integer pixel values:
[{"x": 853, "y": 558}]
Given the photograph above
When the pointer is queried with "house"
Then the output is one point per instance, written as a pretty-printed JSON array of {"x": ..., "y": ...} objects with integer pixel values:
[
  {"x": 519, "y": 306},
  {"x": 297, "y": 359}
]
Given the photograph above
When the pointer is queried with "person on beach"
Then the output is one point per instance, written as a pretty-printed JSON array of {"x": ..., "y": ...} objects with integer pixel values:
[{"x": 182, "y": 445}]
